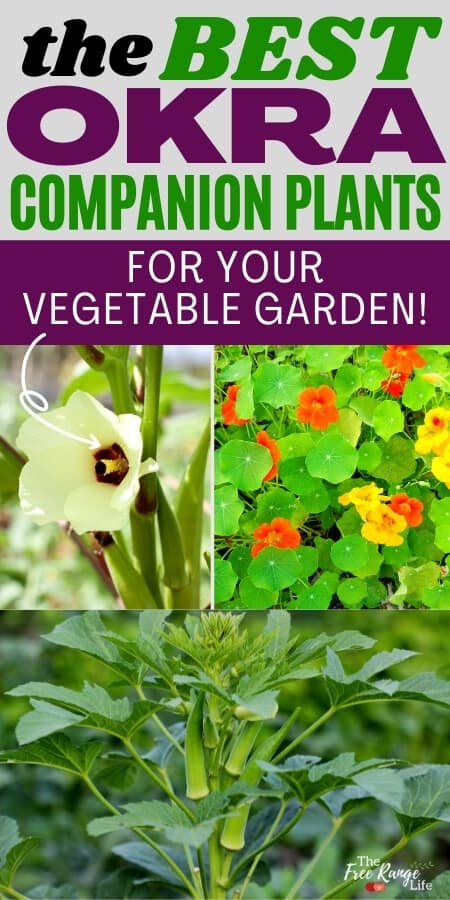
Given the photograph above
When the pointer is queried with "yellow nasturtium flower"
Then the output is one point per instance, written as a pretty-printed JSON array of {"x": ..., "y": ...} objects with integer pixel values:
[
  {"x": 88, "y": 475},
  {"x": 433, "y": 434},
  {"x": 382, "y": 526},
  {"x": 365, "y": 499},
  {"x": 440, "y": 466}
]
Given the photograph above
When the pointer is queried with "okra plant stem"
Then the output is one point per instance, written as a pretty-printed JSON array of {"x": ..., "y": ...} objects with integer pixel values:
[
  {"x": 156, "y": 779},
  {"x": 258, "y": 856},
  {"x": 10, "y": 892},
  {"x": 144, "y": 837},
  {"x": 294, "y": 892},
  {"x": 298, "y": 740}
]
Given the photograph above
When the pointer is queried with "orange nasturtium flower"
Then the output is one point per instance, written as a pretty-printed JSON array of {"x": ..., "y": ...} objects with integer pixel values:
[
  {"x": 433, "y": 434},
  {"x": 228, "y": 407},
  {"x": 402, "y": 358},
  {"x": 279, "y": 533},
  {"x": 317, "y": 407},
  {"x": 408, "y": 507},
  {"x": 382, "y": 526},
  {"x": 266, "y": 441},
  {"x": 365, "y": 499},
  {"x": 395, "y": 384}
]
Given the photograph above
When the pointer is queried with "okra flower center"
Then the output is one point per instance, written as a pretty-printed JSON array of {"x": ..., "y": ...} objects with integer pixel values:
[{"x": 111, "y": 464}]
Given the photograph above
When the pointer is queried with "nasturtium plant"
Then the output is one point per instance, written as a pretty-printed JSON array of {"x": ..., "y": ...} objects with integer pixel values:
[
  {"x": 193, "y": 741},
  {"x": 349, "y": 448},
  {"x": 94, "y": 469}
]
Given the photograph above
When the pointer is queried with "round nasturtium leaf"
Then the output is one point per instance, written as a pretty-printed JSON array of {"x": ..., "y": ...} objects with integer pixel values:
[
  {"x": 318, "y": 595},
  {"x": 373, "y": 564},
  {"x": 245, "y": 406},
  {"x": 245, "y": 463},
  {"x": 442, "y": 538},
  {"x": 333, "y": 459},
  {"x": 373, "y": 375},
  {"x": 227, "y": 510},
  {"x": 219, "y": 477},
  {"x": 437, "y": 597},
  {"x": 277, "y": 385},
  {"x": 440, "y": 512},
  {"x": 365, "y": 407},
  {"x": 275, "y": 502},
  {"x": 240, "y": 559},
  {"x": 236, "y": 371},
  {"x": 225, "y": 580},
  {"x": 347, "y": 380},
  {"x": 398, "y": 461},
  {"x": 274, "y": 569},
  {"x": 325, "y": 359},
  {"x": 308, "y": 558},
  {"x": 349, "y": 425},
  {"x": 397, "y": 556},
  {"x": 316, "y": 501},
  {"x": 376, "y": 592},
  {"x": 417, "y": 393},
  {"x": 252, "y": 597},
  {"x": 295, "y": 476},
  {"x": 293, "y": 445},
  {"x": 388, "y": 419},
  {"x": 350, "y": 553},
  {"x": 369, "y": 457},
  {"x": 352, "y": 592}
]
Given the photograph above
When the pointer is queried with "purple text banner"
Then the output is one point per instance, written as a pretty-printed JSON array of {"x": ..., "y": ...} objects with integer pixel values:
[{"x": 228, "y": 292}]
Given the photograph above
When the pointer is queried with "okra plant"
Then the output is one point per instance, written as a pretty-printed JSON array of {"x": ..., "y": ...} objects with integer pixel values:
[
  {"x": 193, "y": 710},
  {"x": 95, "y": 470}
]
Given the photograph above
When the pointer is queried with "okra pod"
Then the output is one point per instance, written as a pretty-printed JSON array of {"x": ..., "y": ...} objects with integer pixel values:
[
  {"x": 233, "y": 833},
  {"x": 189, "y": 512},
  {"x": 130, "y": 584},
  {"x": 195, "y": 765},
  {"x": 172, "y": 549},
  {"x": 241, "y": 747},
  {"x": 210, "y": 734}
]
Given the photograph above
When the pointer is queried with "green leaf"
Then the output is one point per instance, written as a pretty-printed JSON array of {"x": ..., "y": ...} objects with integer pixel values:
[
  {"x": 417, "y": 792},
  {"x": 245, "y": 406},
  {"x": 43, "y": 720},
  {"x": 352, "y": 592},
  {"x": 373, "y": 565},
  {"x": 274, "y": 569},
  {"x": 442, "y": 538},
  {"x": 388, "y": 419},
  {"x": 333, "y": 459},
  {"x": 245, "y": 463},
  {"x": 278, "y": 626},
  {"x": 57, "y": 752},
  {"x": 316, "y": 501},
  {"x": 175, "y": 824},
  {"x": 85, "y": 632},
  {"x": 417, "y": 393},
  {"x": 415, "y": 581},
  {"x": 258, "y": 706},
  {"x": 326, "y": 358},
  {"x": 253, "y": 597},
  {"x": 227, "y": 510},
  {"x": 9, "y": 837},
  {"x": 437, "y": 597},
  {"x": 308, "y": 558},
  {"x": 349, "y": 425},
  {"x": 91, "y": 381},
  {"x": 397, "y": 556},
  {"x": 369, "y": 457},
  {"x": 225, "y": 580},
  {"x": 348, "y": 379},
  {"x": 317, "y": 595},
  {"x": 399, "y": 461},
  {"x": 92, "y": 698},
  {"x": 294, "y": 474},
  {"x": 294, "y": 445},
  {"x": 365, "y": 407},
  {"x": 440, "y": 512},
  {"x": 240, "y": 559},
  {"x": 350, "y": 553},
  {"x": 274, "y": 503},
  {"x": 373, "y": 375},
  {"x": 144, "y": 857},
  {"x": 235, "y": 371},
  {"x": 277, "y": 385}
]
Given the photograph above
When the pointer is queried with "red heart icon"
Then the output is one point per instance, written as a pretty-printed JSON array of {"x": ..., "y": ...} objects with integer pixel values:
[{"x": 375, "y": 886}]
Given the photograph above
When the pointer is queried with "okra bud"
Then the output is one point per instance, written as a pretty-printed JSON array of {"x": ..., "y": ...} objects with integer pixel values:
[
  {"x": 241, "y": 747},
  {"x": 233, "y": 833},
  {"x": 195, "y": 765},
  {"x": 210, "y": 734}
]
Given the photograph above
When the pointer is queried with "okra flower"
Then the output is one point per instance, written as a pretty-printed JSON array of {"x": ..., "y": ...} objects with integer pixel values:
[{"x": 88, "y": 471}]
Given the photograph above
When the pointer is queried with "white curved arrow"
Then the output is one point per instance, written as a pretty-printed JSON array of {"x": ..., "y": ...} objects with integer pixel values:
[{"x": 35, "y": 403}]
